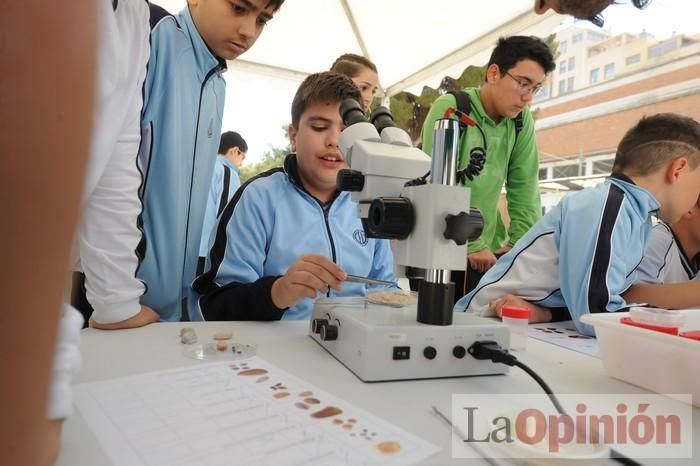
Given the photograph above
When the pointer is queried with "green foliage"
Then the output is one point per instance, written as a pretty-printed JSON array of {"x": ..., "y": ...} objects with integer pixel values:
[
  {"x": 272, "y": 159},
  {"x": 410, "y": 110}
]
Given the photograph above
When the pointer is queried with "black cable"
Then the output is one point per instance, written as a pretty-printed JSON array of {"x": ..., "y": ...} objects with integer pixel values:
[
  {"x": 418, "y": 181},
  {"x": 544, "y": 386},
  {"x": 491, "y": 350}
]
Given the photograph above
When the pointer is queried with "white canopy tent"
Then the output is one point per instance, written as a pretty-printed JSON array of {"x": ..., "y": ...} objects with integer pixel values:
[{"x": 413, "y": 43}]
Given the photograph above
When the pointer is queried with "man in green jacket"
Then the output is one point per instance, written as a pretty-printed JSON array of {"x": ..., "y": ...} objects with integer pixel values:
[{"x": 516, "y": 72}]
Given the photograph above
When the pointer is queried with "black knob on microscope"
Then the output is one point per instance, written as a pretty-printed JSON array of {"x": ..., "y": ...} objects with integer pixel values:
[
  {"x": 329, "y": 332},
  {"x": 464, "y": 227},
  {"x": 316, "y": 325},
  {"x": 348, "y": 179}
]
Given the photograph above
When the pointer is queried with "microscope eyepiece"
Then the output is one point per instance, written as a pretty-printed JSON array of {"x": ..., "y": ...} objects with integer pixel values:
[
  {"x": 382, "y": 118},
  {"x": 351, "y": 112}
]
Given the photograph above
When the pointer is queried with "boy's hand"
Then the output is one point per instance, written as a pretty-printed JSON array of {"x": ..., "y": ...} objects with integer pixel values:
[
  {"x": 482, "y": 260},
  {"x": 503, "y": 250},
  {"x": 537, "y": 313},
  {"x": 309, "y": 274},
  {"x": 145, "y": 316}
]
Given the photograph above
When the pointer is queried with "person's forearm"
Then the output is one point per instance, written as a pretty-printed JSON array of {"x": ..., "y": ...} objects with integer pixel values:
[
  {"x": 668, "y": 296},
  {"x": 237, "y": 301},
  {"x": 46, "y": 118}
]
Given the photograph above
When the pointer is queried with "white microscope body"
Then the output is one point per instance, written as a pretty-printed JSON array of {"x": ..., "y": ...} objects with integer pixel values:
[{"x": 429, "y": 224}]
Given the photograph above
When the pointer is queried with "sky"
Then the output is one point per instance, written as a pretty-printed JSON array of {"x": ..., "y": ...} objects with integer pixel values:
[{"x": 258, "y": 106}]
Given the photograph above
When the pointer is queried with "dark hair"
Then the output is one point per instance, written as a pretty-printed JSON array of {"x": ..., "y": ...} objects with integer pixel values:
[
  {"x": 351, "y": 64},
  {"x": 231, "y": 139},
  {"x": 327, "y": 87},
  {"x": 591, "y": 9},
  {"x": 510, "y": 50},
  {"x": 656, "y": 140},
  {"x": 275, "y": 4}
]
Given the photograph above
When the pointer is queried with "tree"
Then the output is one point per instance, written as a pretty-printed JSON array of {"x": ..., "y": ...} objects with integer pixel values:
[
  {"x": 271, "y": 159},
  {"x": 409, "y": 110}
]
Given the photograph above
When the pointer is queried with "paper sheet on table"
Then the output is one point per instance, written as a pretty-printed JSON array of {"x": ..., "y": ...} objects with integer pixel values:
[
  {"x": 243, "y": 412},
  {"x": 564, "y": 334}
]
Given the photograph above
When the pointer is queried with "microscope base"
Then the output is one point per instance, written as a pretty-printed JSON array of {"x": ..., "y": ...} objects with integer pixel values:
[{"x": 381, "y": 343}]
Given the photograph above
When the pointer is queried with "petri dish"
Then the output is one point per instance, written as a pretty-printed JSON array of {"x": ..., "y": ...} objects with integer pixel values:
[{"x": 208, "y": 352}]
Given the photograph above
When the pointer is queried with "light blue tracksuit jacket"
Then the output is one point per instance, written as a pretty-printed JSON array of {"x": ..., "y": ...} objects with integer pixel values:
[
  {"x": 581, "y": 256},
  {"x": 181, "y": 125},
  {"x": 270, "y": 222}
]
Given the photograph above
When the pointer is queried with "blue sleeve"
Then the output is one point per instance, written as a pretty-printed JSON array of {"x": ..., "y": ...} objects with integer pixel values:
[
  {"x": 209, "y": 223},
  {"x": 655, "y": 260},
  {"x": 250, "y": 224},
  {"x": 234, "y": 287},
  {"x": 592, "y": 245},
  {"x": 234, "y": 184}
]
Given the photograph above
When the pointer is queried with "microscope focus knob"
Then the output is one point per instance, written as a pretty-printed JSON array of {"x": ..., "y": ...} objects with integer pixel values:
[
  {"x": 390, "y": 218},
  {"x": 464, "y": 227},
  {"x": 329, "y": 332},
  {"x": 316, "y": 325}
]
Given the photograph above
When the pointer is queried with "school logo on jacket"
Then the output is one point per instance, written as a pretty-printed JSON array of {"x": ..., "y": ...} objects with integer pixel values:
[{"x": 361, "y": 237}]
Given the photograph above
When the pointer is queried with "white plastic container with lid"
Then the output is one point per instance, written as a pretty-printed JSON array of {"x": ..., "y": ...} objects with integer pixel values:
[
  {"x": 656, "y": 316},
  {"x": 516, "y": 318},
  {"x": 658, "y": 361}
]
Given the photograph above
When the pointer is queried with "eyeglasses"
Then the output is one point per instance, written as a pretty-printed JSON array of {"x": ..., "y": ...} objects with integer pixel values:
[{"x": 524, "y": 87}]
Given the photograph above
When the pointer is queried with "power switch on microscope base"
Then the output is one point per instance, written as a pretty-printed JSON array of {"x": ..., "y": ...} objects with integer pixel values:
[{"x": 402, "y": 352}]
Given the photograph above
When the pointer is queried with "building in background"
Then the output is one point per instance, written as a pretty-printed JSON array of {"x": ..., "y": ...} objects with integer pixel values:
[{"x": 604, "y": 84}]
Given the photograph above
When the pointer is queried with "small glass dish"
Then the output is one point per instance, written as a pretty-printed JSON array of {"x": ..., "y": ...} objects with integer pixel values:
[
  {"x": 393, "y": 298},
  {"x": 209, "y": 352}
]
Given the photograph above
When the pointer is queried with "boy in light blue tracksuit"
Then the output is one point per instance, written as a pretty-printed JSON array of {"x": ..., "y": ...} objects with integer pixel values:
[
  {"x": 581, "y": 257},
  {"x": 224, "y": 183},
  {"x": 181, "y": 123},
  {"x": 288, "y": 236}
]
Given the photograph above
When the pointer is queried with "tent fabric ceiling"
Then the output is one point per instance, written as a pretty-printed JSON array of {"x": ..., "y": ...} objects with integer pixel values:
[{"x": 412, "y": 42}]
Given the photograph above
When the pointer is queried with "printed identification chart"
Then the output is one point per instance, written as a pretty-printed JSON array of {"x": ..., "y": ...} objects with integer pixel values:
[
  {"x": 242, "y": 412},
  {"x": 564, "y": 334}
]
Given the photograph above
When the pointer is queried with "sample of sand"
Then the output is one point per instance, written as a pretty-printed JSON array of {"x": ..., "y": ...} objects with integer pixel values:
[{"x": 392, "y": 298}]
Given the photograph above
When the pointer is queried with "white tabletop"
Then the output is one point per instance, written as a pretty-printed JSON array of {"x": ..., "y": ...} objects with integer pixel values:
[{"x": 407, "y": 404}]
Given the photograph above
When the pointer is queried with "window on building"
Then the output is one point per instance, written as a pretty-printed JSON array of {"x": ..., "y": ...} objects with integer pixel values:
[
  {"x": 572, "y": 63},
  {"x": 577, "y": 37},
  {"x": 602, "y": 167},
  {"x": 565, "y": 171},
  {"x": 609, "y": 71},
  {"x": 632, "y": 59},
  {"x": 562, "y": 87},
  {"x": 562, "y": 47},
  {"x": 595, "y": 75},
  {"x": 570, "y": 84},
  {"x": 594, "y": 37},
  {"x": 662, "y": 49},
  {"x": 543, "y": 173},
  {"x": 562, "y": 66}
]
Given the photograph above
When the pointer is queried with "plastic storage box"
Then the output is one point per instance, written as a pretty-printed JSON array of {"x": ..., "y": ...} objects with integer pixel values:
[{"x": 655, "y": 361}]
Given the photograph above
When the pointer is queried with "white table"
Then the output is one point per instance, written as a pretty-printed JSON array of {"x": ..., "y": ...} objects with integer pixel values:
[{"x": 286, "y": 344}]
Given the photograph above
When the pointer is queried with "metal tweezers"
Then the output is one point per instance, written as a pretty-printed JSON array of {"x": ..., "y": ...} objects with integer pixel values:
[{"x": 369, "y": 281}]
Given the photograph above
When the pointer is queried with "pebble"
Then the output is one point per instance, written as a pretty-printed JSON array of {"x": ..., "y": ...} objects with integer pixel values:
[
  {"x": 223, "y": 336},
  {"x": 221, "y": 345},
  {"x": 188, "y": 336}
]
